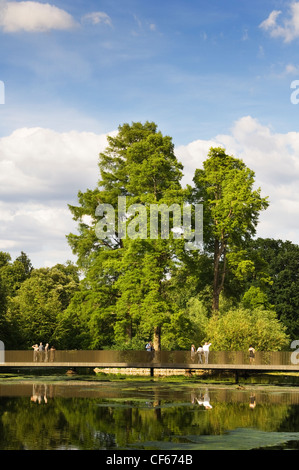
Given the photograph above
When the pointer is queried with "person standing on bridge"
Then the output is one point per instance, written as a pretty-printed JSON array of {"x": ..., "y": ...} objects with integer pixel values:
[
  {"x": 206, "y": 350},
  {"x": 149, "y": 346},
  {"x": 41, "y": 352},
  {"x": 35, "y": 352},
  {"x": 46, "y": 352},
  {"x": 193, "y": 352},
  {"x": 199, "y": 354},
  {"x": 52, "y": 353},
  {"x": 251, "y": 351}
]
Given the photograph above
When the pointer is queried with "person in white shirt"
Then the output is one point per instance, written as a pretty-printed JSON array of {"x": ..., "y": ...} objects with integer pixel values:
[
  {"x": 206, "y": 349},
  {"x": 199, "y": 354}
]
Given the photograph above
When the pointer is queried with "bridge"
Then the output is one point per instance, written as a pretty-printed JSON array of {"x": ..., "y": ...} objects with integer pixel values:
[{"x": 234, "y": 361}]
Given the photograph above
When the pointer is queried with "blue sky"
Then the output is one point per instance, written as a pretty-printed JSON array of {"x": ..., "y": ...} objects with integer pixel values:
[
  {"x": 193, "y": 67},
  {"x": 205, "y": 71}
]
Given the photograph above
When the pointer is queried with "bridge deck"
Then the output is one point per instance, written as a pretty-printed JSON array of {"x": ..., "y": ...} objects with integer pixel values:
[
  {"x": 154, "y": 365},
  {"x": 223, "y": 360}
]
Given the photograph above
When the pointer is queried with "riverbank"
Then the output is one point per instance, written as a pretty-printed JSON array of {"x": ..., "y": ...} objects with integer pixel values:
[{"x": 123, "y": 375}]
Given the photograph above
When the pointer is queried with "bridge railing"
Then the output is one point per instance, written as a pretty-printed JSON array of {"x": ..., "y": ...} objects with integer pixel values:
[{"x": 108, "y": 357}]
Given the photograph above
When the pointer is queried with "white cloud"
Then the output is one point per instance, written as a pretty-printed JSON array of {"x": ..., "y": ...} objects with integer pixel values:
[
  {"x": 273, "y": 156},
  {"x": 41, "y": 172},
  {"x": 193, "y": 155},
  {"x": 289, "y": 29},
  {"x": 291, "y": 69},
  {"x": 270, "y": 22},
  {"x": 97, "y": 17},
  {"x": 41, "y": 163},
  {"x": 33, "y": 17},
  {"x": 37, "y": 229}
]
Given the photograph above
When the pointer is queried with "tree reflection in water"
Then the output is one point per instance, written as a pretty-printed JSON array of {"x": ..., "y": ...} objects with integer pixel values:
[{"x": 132, "y": 415}]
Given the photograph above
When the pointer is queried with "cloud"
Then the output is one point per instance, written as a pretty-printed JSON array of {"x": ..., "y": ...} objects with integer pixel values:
[
  {"x": 33, "y": 17},
  {"x": 41, "y": 172},
  {"x": 38, "y": 229},
  {"x": 97, "y": 17},
  {"x": 289, "y": 29},
  {"x": 291, "y": 69},
  {"x": 274, "y": 158},
  {"x": 270, "y": 22},
  {"x": 43, "y": 164}
]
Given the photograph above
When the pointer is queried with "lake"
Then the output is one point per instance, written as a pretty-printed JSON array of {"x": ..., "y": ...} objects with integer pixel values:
[{"x": 60, "y": 414}]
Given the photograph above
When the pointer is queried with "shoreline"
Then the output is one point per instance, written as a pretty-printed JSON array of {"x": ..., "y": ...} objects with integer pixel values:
[{"x": 257, "y": 381}]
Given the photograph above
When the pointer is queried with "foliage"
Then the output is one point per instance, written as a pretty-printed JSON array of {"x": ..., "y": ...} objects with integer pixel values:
[
  {"x": 12, "y": 275},
  {"x": 281, "y": 264},
  {"x": 33, "y": 311},
  {"x": 139, "y": 163},
  {"x": 231, "y": 206},
  {"x": 237, "y": 328}
]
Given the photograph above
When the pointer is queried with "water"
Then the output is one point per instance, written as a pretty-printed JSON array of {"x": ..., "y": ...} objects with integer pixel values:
[{"x": 41, "y": 414}]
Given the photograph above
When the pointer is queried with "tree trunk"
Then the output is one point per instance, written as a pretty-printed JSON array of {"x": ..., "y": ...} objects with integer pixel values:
[
  {"x": 215, "y": 303},
  {"x": 219, "y": 275},
  {"x": 157, "y": 338}
]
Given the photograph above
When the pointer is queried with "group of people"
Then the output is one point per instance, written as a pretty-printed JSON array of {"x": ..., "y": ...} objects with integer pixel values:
[
  {"x": 43, "y": 353},
  {"x": 202, "y": 352}
]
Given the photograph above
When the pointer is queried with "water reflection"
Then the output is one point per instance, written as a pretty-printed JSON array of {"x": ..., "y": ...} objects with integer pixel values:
[
  {"x": 252, "y": 403},
  {"x": 202, "y": 398},
  {"x": 39, "y": 394},
  {"x": 134, "y": 415}
]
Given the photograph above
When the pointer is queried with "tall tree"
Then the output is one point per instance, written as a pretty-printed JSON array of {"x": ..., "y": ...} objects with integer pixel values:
[
  {"x": 231, "y": 208},
  {"x": 139, "y": 164}
]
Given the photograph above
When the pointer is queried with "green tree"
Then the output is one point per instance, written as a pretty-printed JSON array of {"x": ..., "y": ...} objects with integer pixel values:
[
  {"x": 33, "y": 311},
  {"x": 5, "y": 259},
  {"x": 239, "y": 327},
  {"x": 12, "y": 276},
  {"x": 231, "y": 207},
  {"x": 89, "y": 319},
  {"x": 281, "y": 265},
  {"x": 139, "y": 163}
]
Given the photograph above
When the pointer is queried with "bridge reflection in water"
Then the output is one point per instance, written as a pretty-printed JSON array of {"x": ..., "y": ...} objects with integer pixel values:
[{"x": 221, "y": 360}]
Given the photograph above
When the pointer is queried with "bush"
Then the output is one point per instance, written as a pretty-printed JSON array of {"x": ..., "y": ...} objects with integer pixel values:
[{"x": 239, "y": 327}]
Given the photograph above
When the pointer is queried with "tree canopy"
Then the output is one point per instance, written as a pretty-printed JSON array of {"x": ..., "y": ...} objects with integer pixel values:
[{"x": 231, "y": 208}]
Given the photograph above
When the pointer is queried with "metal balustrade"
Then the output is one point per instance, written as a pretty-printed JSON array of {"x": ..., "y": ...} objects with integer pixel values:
[{"x": 106, "y": 358}]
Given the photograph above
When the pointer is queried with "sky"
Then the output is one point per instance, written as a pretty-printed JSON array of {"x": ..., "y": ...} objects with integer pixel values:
[{"x": 208, "y": 73}]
